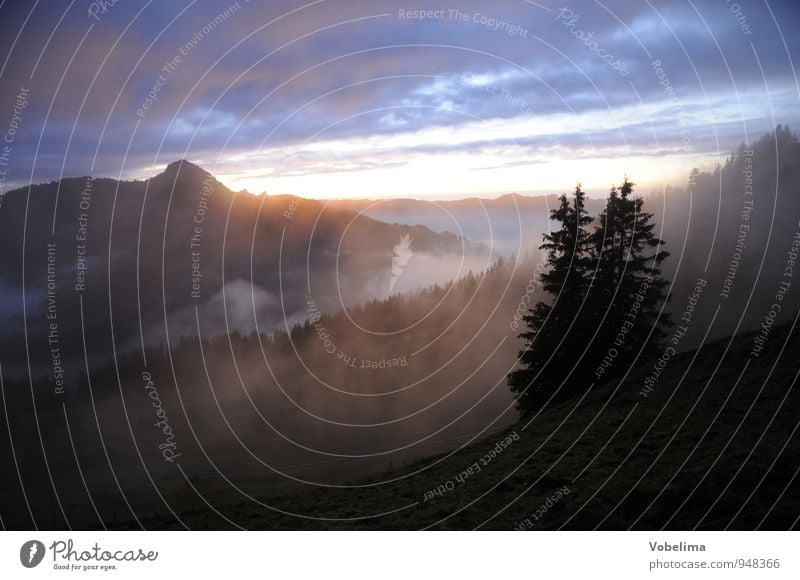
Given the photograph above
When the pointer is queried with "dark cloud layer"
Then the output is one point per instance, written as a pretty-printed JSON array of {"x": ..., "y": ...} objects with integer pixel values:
[{"x": 272, "y": 76}]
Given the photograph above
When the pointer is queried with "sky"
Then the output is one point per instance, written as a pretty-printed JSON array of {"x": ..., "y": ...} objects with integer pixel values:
[{"x": 366, "y": 98}]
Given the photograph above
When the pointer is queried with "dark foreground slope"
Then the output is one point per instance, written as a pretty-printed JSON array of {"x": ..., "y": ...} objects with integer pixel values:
[{"x": 713, "y": 445}]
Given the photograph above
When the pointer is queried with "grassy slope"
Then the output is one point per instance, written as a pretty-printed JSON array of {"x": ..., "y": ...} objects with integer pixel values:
[{"x": 704, "y": 442}]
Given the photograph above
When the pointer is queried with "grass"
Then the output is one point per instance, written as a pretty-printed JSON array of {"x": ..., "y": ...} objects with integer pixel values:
[{"x": 713, "y": 446}]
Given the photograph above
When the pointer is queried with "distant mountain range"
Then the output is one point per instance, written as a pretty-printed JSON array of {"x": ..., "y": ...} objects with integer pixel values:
[
  {"x": 509, "y": 224},
  {"x": 734, "y": 227}
]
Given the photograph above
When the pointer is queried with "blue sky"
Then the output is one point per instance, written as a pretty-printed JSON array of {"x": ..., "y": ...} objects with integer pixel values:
[{"x": 375, "y": 99}]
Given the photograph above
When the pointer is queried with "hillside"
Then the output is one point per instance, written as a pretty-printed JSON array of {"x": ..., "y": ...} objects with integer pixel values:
[
  {"x": 303, "y": 388},
  {"x": 344, "y": 384},
  {"x": 713, "y": 446},
  {"x": 145, "y": 256}
]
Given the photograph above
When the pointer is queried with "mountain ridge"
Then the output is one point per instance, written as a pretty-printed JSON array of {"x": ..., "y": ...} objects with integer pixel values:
[{"x": 140, "y": 242}]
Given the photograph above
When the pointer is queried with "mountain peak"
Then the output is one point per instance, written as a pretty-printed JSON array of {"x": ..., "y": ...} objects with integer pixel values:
[{"x": 185, "y": 168}]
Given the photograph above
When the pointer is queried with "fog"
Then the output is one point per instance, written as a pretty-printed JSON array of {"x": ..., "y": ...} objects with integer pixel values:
[{"x": 366, "y": 352}]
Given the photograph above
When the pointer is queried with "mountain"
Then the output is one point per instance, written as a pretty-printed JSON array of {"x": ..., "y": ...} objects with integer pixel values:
[
  {"x": 146, "y": 259},
  {"x": 510, "y": 224}
]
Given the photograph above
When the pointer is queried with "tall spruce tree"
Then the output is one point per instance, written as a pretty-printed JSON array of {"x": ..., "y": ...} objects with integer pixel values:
[
  {"x": 628, "y": 291},
  {"x": 555, "y": 332}
]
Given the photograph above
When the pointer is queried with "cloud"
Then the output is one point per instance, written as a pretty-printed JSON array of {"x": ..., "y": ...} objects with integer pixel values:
[
  {"x": 228, "y": 84},
  {"x": 238, "y": 306}
]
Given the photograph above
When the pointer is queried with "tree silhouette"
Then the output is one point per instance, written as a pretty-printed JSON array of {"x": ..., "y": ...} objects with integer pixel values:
[
  {"x": 554, "y": 331},
  {"x": 607, "y": 292},
  {"x": 628, "y": 291}
]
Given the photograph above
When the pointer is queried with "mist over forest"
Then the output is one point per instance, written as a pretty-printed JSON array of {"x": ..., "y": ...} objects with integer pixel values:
[{"x": 279, "y": 333}]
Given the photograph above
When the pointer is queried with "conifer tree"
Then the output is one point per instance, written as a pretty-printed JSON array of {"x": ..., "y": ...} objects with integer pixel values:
[
  {"x": 607, "y": 296},
  {"x": 628, "y": 291},
  {"x": 554, "y": 330}
]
